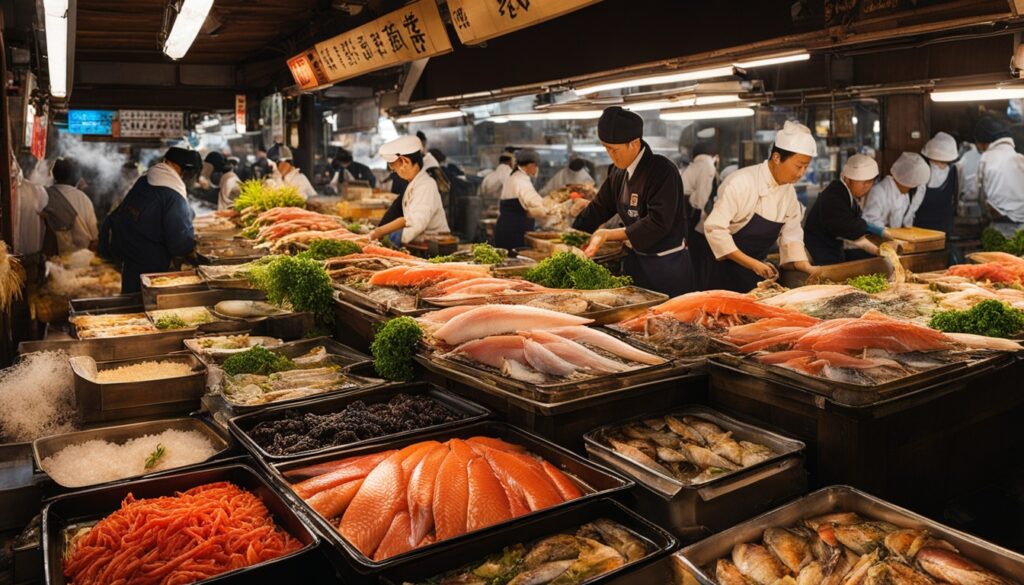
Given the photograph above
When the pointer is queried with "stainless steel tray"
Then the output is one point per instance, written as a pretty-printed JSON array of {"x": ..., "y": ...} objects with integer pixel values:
[
  {"x": 120, "y": 400},
  {"x": 129, "y": 303},
  {"x": 114, "y": 348},
  {"x": 222, "y": 283},
  {"x": 691, "y": 561},
  {"x": 206, "y": 356},
  {"x": 150, "y": 292},
  {"x": 237, "y": 251},
  {"x": 343, "y": 355},
  {"x": 49, "y": 446},
  {"x": 358, "y": 297},
  {"x": 94, "y": 504}
]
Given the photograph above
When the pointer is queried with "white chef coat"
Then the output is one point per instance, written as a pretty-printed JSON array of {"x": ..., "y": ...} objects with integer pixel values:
[
  {"x": 296, "y": 179},
  {"x": 698, "y": 180},
  {"x": 422, "y": 209},
  {"x": 1001, "y": 179},
  {"x": 84, "y": 230},
  {"x": 519, "y": 186},
  {"x": 887, "y": 207},
  {"x": 230, "y": 185},
  {"x": 28, "y": 223},
  {"x": 567, "y": 176},
  {"x": 494, "y": 182},
  {"x": 753, "y": 190}
]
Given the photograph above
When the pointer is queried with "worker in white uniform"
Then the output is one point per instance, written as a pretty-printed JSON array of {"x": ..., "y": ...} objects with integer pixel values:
[
  {"x": 230, "y": 185},
  {"x": 28, "y": 219},
  {"x": 520, "y": 203},
  {"x": 422, "y": 212},
  {"x": 938, "y": 207},
  {"x": 891, "y": 203},
  {"x": 494, "y": 181},
  {"x": 290, "y": 175},
  {"x": 573, "y": 174},
  {"x": 1000, "y": 176},
  {"x": 83, "y": 231},
  {"x": 700, "y": 185},
  {"x": 757, "y": 208}
]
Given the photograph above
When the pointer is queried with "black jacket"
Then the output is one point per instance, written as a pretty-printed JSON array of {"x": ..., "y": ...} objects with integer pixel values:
[
  {"x": 360, "y": 172},
  {"x": 661, "y": 215},
  {"x": 832, "y": 218}
]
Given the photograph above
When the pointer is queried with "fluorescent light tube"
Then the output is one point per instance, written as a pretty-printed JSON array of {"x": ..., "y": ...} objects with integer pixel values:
[
  {"x": 724, "y": 71},
  {"x": 774, "y": 60},
  {"x": 539, "y": 116},
  {"x": 429, "y": 116},
  {"x": 56, "y": 22},
  {"x": 979, "y": 94},
  {"x": 186, "y": 26},
  {"x": 708, "y": 114}
]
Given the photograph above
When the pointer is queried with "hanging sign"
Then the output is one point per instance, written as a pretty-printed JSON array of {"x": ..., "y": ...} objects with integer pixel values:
[
  {"x": 240, "y": 113},
  {"x": 39, "y": 128},
  {"x": 413, "y": 32},
  {"x": 151, "y": 124},
  {"x": 477, "y": 21}
]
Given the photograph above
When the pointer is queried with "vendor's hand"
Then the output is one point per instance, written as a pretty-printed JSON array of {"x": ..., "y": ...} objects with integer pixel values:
[
  {"x": 887, "y": 235},
  {"x": 764, "y": 270},
  {"x": 596, "y": 241},
  {"x": 373, "y": 235}
]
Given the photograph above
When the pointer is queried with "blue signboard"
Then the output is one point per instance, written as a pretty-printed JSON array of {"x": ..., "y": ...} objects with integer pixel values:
[{"x": 91, "y": 122}]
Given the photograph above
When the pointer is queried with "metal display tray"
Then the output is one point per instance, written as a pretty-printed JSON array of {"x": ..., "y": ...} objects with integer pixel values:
[
  {"x": 598, "y": 481},
  {"x": 645, "y": 570},
  {"x": 120, "y": 400},
  {"x": 150, "y": 292},
  {"x": 95, "y": 504},
  {"x": 358, "y": 297},
  {"x": 223, "y": 283},
  {"x": 49, "y": 446},
  {"x": 129, "y": 303},
  {"x": 240, "y": 426},
  {"x": 20, "y": 495},
  {"x": 237, "y": 251},
  {"x": 696, "y": 510},
  {"x": 690, "y": 562},
  {"x": 105, "y": 349}
]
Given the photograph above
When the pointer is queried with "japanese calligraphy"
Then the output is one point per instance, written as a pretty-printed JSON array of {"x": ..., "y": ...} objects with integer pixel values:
[
  {"x": 394, "y": 37},
  {"x": 364, "y": 47},
  {"x": 378, "y": 43},
  {"x": 349, "y": 50},
  {"x": 459, "y": 18},
  {"x": 512, "y": 7},
  {"x": 419, "y": 40}
]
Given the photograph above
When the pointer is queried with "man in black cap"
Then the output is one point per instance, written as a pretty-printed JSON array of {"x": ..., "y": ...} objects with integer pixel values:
[
  {"x": 153, "y": 225},
  {"x": 1000, "y": 175},
  {"x": 646, "y": 192}
]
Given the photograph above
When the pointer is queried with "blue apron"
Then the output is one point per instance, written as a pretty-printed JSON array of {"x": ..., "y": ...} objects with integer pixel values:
[
  {"x": 513, "y": 223},
  {"x": 939, "y": 206},
  {"x": 671, "y": 273},
  {"x": 755, "y": 240},
  {"x": 696, "y": 243}
]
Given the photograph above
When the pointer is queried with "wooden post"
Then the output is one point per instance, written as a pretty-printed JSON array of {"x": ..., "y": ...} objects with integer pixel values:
[{"x": 6, "y": 181}]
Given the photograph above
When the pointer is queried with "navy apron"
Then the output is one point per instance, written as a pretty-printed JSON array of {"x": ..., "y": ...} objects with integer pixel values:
[
  {"x": 755, "y": 240},
  {"x": 696, "y": 243},
  {"x": 394, "y": 211},
  {"x": 513, "y": 223},
  {"x": 671, "y": 273},
  {"x": 938, "y": 207}
]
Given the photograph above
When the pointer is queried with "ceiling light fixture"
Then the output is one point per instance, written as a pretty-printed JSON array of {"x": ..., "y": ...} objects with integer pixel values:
[
  {"x": 56, "y": 22},
  {"x": 429, "y": 116},
  {"x": 723, "y": 71},
  {"x": 191, "y": 16},
  {"x": 713, "y": 114},
  {"x": 774, "y": 60},
  {"x": 543, "y": 116},
  {"x": 980, "y": 94}
]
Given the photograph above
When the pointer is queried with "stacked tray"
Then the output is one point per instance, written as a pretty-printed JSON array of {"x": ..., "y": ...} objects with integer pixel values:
[
  {"x": 695, "y": 510},
  {"x": 596, "y": 481},
  {"x": 99, "y": 401}
]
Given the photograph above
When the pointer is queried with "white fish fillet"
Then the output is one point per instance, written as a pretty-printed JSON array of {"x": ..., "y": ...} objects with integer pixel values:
[
  {"x": 606, "y": 342},
  {"x": 982, "y": 342},
  {"x": 575, "y": 353},
  {"x": 493, "y": 351},
  {"x": 544, "y": 360},
  {"x": 486, "y": 320},
  {"x": 519, "y": 371}
]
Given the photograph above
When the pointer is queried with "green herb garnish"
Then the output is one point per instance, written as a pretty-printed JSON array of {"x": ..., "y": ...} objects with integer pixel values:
[
  {"x": 393, "y": 347},
  {"x": 991, "y": 318},
  {"x": 155, "y": 456},
  {"x": 171, "y": 322},
  {"x": 869, "y": 283},
  {"x": 256, "y": 197},
  {"x": 303, "y": 282},
  {"x": 355, "y": 227},
  {"x": 575, "y": 239},
  {"x": 993, "y": 241},
  {"x": 482, "y": 254},
  {"x": 567, "y": 270},
  {"x": 258, "y": 360},
  {"x": 324, "y": 249}
]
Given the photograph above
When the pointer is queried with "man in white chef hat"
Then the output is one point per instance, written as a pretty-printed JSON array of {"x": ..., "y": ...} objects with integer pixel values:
[
  {"x": 939, "y": 203},
  {"x": 891, "y": 203},
  {"x": 836, "y": 217},
  {"x": 756, "y": 209},
  {"x": 422, "y": 212}
]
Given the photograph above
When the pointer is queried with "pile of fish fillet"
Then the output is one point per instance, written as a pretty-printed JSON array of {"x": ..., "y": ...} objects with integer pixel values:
[
  {"x": 846, "y": 549},
  {"x": 531, "y": 344}
]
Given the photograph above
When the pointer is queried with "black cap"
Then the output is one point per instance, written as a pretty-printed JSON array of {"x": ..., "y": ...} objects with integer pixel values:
[
  {"x": 619, "y": 126},
  {"x": 217, "y": 160},
  {"x": 184, "y": 158},
  {"x": 989, "y": 129},
  {"x": 704, "y": 148}
]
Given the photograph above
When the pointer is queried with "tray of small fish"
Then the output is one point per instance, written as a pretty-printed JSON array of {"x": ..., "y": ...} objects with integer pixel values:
[
  {"x": 280, "y": 433},
  {"x": 211, "y": 347},
  {"x": 236, "y": 251},
  {"x": 700, "y": 470},
  {"x": 181, "y": 318},
  {"x": 226, "y": 275},
  {"x": 358, "y": 516},
  {"x": 841, "y": 535},
  {"x": 271, "y": 538},
  {"x": 384, "y": 300},
  {"x": 600, "y": 542}
]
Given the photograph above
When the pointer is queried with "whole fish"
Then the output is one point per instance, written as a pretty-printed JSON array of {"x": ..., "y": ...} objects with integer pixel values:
[
  {"x": 812, "y": 574},
  {"x": 708, "y": 430},
  {"x": 684, "y": 430},
  {"x": 948, "y": 566},
  {"x": 726, "y": 573},
  {"x": 836, "y": 518},
  {"x": 727, "y": 447},
  {"x": 637, "y": 456},
  {"x": 905, "y": 543},
  {"x": 753, "y": 453},
  {"x": 859, "y": 572},
  {"x": 754, "y": 561},
  {"x": 707, "y": 458},
  {"x": 864, "y": 537},
  {"x": 617, "y": 537},
  {"x": 792, "y": 549},
  {"x": 898, "y": 573},
  {"x": 594, "y": 559},
  {"x": 837, "y": 568}
]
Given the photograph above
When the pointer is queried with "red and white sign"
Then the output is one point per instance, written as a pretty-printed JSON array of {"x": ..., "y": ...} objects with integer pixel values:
[
  {"x": 39, "y": 128},
  {"x": 240, "y": 113}
]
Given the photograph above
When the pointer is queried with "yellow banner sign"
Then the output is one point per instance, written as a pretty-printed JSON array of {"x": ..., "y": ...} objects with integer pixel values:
[
  {"x": 479, "y": 20},
  {"x": 413, "y": 32}
]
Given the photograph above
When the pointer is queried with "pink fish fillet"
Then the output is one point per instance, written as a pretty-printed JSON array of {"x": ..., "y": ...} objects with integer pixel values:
[
  {"x": 486, "y": 320},
  {"x": 493, "y": 351},
  {"x": 602, "y": 340},
  {"x": 545, "y": 361},
  {"x": 444, "y": 315},
  {"x": 574, "y": 353}
]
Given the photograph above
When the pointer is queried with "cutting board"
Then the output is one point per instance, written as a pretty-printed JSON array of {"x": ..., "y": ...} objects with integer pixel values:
[{"x": 913, "y": 239}]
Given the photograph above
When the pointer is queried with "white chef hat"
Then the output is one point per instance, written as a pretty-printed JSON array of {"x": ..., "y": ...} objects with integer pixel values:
[
  {"x": 795, "y": 137},
  {"x": 860, "y": 167},
  {"x": 941, "y": 148},
  {"x": 910, "y": 170},
  {"x": 400, "y": 146}
]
